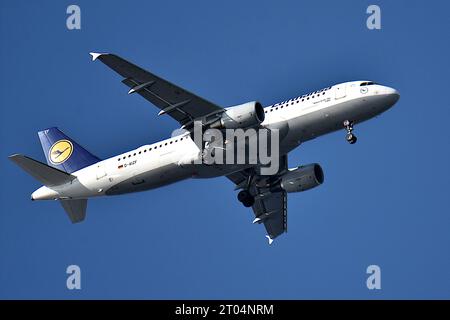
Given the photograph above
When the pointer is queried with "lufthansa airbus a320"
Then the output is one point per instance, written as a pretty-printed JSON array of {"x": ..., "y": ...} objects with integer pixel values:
[{"x": 72, "y": 175}]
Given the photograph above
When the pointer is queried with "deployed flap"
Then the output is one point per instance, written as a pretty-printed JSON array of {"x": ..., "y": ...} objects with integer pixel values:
[
  {"x": 173, "y": 100},
  {"x": 47, "y": 175},
  {"x": 75, "y": 209}
]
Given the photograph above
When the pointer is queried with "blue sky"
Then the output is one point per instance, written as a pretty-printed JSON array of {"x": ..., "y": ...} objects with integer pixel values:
[{"x": 384, "y": 201}]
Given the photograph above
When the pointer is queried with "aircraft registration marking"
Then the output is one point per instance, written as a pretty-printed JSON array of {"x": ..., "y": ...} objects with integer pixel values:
[{"x": 127, "y": 164}]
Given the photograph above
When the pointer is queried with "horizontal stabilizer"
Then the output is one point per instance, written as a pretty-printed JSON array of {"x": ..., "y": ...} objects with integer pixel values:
[
  {"x": 47, "y": 175},
  {"x": 75, "y": 209}
]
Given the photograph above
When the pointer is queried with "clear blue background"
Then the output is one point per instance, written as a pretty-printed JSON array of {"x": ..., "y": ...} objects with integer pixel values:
[{"x": 385, "y": 200}]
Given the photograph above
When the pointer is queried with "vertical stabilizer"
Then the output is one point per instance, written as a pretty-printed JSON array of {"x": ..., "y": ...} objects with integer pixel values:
[{"x": 64, "y": 153}]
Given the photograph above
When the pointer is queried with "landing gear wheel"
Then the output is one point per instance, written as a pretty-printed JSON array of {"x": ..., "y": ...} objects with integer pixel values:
[
  {"x": 246, "y": 198},
  {"x": 351, "y": 138}
]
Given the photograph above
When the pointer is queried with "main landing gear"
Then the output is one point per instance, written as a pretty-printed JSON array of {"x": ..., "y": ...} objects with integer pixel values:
[
  {"x": 350, "y": 137},
  {"x": 246, "y": 198}
]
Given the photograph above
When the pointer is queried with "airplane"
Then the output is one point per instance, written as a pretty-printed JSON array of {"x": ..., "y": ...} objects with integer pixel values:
[{"x": 72, "y": 174}]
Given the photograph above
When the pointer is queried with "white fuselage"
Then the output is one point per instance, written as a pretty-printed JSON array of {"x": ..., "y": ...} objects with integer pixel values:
[{"x": 299, "y": 119}]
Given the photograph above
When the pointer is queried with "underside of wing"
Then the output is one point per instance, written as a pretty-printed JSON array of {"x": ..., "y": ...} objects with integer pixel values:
[
  {"x": 270, "y": 203},
  {"x": 272, "y": 211},
  {"x": 173, "y": 100}
]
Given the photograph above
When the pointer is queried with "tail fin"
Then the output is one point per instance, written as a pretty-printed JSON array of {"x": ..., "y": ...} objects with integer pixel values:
[{"x": 64, "y": 153}]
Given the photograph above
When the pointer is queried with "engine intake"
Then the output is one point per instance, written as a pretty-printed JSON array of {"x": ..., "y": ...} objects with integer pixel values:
[
  {"x": 302, "y": 178},
  {"x": 246, "y": 115}
]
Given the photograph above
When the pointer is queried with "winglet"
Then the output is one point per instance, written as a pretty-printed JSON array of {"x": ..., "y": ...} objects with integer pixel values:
[
  {"x": 95, "y": 55},
  {"x": 270, "y": 239}
]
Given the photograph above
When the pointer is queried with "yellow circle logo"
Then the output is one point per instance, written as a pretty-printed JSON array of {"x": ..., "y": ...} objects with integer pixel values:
[{"x": 60, "y": 151}]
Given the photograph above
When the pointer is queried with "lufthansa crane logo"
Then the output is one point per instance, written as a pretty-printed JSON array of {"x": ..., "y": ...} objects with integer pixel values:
[{"x": 60, "y": 151}]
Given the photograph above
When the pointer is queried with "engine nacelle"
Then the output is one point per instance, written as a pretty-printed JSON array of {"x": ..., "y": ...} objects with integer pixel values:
[
  {"x": 302, "y": 178},
  {"x": 243, "y": 116}
]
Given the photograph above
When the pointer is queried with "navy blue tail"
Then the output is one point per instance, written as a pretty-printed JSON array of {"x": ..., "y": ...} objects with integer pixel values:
[{"x": 63, "y": 153}]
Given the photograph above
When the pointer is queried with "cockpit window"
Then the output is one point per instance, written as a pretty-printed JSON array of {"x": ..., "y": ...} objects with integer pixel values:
[{"x": 367, "y": 83}]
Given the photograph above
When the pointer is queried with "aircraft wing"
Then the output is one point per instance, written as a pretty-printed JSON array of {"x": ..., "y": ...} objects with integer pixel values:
[
  {"x": 270, "y": 208},
  {"x": 274, "y": 207},
  {"x": 173, "y": 100}
]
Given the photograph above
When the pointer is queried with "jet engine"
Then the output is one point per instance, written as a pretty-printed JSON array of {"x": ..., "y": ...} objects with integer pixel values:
[
  {"x": 302, "y": 178},
  {"x": 246, "y": 115}
]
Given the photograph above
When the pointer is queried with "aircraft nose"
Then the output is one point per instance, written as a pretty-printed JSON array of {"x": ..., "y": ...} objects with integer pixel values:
[
  {"x": 392, "y": 91},
  {"x": 392, "y": 95}
]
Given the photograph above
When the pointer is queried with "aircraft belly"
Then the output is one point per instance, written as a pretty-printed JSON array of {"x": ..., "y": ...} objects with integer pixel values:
[
  {"x": 311, "y": 125},
  {"x": 217, "y": 170},
  {"x": 151, "y": 179}
]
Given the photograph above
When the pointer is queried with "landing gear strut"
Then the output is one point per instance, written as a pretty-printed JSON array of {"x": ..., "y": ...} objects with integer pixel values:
[
  {"x": 350, "y": 137},
  {"x": 246, "y": 198}
]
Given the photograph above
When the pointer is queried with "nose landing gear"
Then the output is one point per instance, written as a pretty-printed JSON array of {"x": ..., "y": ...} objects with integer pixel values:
[
  {"x": 246, "y": 198},
  {"x": 350, "y": 137}
]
